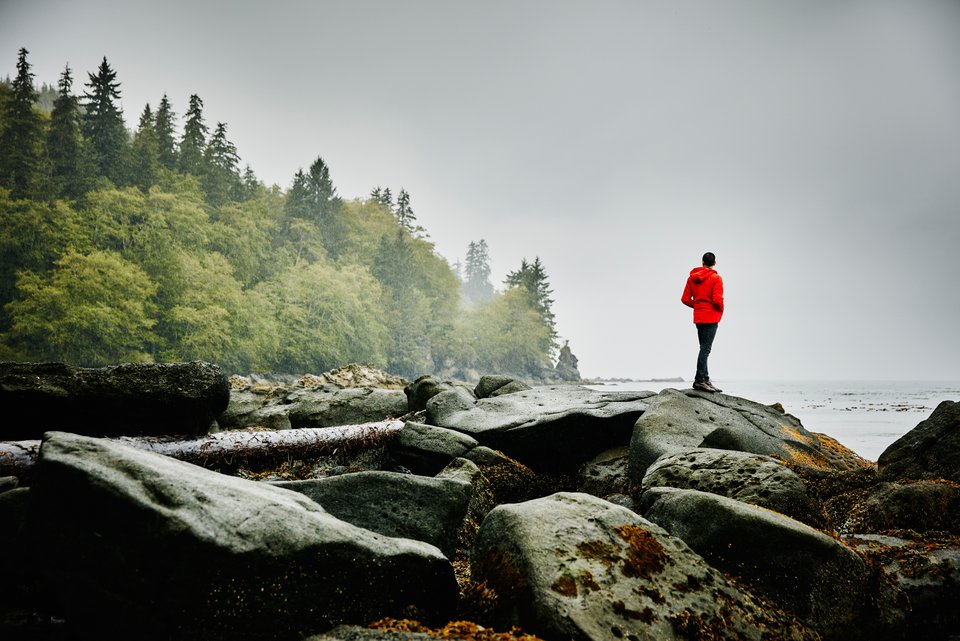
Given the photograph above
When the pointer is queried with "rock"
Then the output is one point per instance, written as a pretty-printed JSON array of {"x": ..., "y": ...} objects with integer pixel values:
[
  {"x": 351, "y": 406},
  {"x": 824, "y": 582},
  {"x": 920, "y": 506},
  {"x": 357, "y": 633},
  {"x": 572, "y": 566},
  {"x": 549, "y": 428},
  {"x": 354, "y": 375},
  {"x": 606, "y": 473},
  {"x": 427, "y": 449},
  {"x": 131, "y": 399},
  {"x": 508, "y": 481},
  {"x": 422, "y": 390},
  {"x": 8, "y": 483},
  {"x": 498, "y": 385},
  {"x": 750, "y": 478},
  {"x": 482, "y": 501},
  {"x": 566, "y": 367},
  {"x": 138, "y": 543},
  {"x": 679, "y": 421},
  {"x": 18, "y": 587},
  {"x": 927, "y": 573},
  {"x": 931, "y": 450},
  {"x": 393, "y": 504}
]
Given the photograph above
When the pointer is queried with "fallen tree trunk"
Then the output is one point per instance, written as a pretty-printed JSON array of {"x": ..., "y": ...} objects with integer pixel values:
[{"x": 250, "y": 449}]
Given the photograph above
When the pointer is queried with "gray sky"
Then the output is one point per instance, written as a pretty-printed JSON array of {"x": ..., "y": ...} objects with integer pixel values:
[{"x": 813, "y": 145}]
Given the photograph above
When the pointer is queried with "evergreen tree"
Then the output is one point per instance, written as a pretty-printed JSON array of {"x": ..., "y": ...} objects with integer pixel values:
[
  {"x": 69, "y": 157},
  {"x": 323, "y": 195},
  {"x": 532, "y": 278},
  {"x": 250, "y": 184},
  {"x": 477, "y": 285},
  {"x": 164, "y": 126},
  {"x": 383, "y": 196},
  {"x": 404, "y": 212},
  {"x": 221, "y": 181},
  {"x": 194, "y": 140},
  {"x": 146, "y": 152},
  {"x": 103, "y": 123},
  {"x": 22, "y": 137}
]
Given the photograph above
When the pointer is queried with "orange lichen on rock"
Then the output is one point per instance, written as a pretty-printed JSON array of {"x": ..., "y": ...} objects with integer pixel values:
[
  {"x": 463, "y": 630},
  {"x": 645, "y": 555},
  {"x": 565, "y": 585}
]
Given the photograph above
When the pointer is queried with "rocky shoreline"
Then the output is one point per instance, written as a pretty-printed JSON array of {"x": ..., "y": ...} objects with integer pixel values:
[{"x": 554, "y": 510}]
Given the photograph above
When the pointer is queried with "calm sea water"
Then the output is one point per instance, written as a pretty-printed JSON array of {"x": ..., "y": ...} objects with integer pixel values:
[{"x": 866, "y": 416}]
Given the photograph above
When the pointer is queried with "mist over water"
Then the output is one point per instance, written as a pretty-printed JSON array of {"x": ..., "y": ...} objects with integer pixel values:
[{"x": 865, "y": 416}]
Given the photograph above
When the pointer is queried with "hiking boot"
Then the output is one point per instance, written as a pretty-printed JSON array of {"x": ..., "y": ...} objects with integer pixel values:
[
  {"x": 712, "y": 386},
  {"x": 703, "y": 386}
]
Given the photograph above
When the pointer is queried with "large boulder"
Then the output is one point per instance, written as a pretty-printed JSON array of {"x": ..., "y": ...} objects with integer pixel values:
[
  {"x": 130, "y": 399},
  {"x": 823, "y": 581},
  {"x": 678, "y": 421},
  {"x": 606, "y": 473},
  {"x": 427, "y": 449},
  {"x": 931, "y": 450},
  {"x": 139, "y": 544},
  {"x": 751, "y": 478},
  {"x": 924, "y": 572},
  {"x": 497, "y": 385},
  {"x": 393, "y": 504},
  {"x": 350, "y": 406},
  {"x": 572, "y": 566},
  {"x": 549, "y": 428},
  {"x": 422, "y": 390},
  {"x": 920, "y": 506}
]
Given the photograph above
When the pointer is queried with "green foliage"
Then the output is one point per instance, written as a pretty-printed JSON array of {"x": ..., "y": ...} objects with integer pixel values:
[
  {"x": 92, "y": 308},
  {"x": 103, "y": 124},
  {"x": 21, "y": 139},
  {"x": 120, "y": 246}
]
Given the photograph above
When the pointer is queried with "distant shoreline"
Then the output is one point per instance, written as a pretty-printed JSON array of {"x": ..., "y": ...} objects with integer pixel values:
[{"x": 603, "y": 381}]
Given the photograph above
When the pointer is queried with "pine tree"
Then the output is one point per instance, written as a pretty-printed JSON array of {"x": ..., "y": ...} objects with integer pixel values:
[
  {"x": 69, "y": 156},
  {"x": 404, "y": 212},
  {"x": 194, "y": 140},
  {"x": 103, "y": 123},
  {"x": 146, "y": 152},
  {"x": 323, "y": 195},
  {"x": 164, "y": 126},
  {"x": 532, "y": 278},
  {"x": 383, "y": 197},
  {"x": 21, "y": 141},
  {"x": 221, "y": 181},
  {"x": 477, "y": 284}
]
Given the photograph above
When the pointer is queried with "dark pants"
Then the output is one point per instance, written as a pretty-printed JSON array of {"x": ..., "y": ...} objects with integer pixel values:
[{"x": 706, "y": 333}]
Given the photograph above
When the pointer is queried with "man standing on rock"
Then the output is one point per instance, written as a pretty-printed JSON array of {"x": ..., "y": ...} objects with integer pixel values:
[{"x": 704, "y": 293}]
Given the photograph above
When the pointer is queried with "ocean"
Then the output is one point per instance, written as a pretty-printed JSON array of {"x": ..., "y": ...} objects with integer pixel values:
[{"x": 866, "y": 416}]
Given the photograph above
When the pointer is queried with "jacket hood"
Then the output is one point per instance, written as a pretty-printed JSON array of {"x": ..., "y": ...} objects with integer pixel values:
[{"x": 700, "y": 274}]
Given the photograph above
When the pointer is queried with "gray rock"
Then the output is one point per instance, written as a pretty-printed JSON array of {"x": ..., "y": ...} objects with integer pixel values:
[
  {"x": 426, "y": 449},
  {"x": 136, "y": 541},
  {"x": 824, "y": 582},
  {"x": 8, "y": 483},
  {"x": 679, "y": 421},
  {"x": 422, "y": 390},
  {"x": 130, "y": 399},
  {"x": 18, "y": 586},
  {"x": 750, "y": 478},
  {"x": 606, "y": 473},
  {"x": 920, "y": 506},
  {"x": 250, "y": 409},
  {"x": 931, "y": 450},
  {"x": 357, "y": 633},
  {"x": 549, "y": 428},
  {"x": 498, "y": 385},
  {"x": 926, "y": 573},
  {"x": 393, "y": 504},
  {"x": 572, "y": 566},
  {"x": 350, "y": 406}
]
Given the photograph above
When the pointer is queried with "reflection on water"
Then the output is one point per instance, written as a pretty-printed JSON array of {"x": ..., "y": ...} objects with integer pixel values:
[{"x": 866, "y": 416}]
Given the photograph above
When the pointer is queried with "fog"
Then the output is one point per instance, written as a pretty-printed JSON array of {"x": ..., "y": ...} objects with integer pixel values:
[{"x": 814, "y": 147}]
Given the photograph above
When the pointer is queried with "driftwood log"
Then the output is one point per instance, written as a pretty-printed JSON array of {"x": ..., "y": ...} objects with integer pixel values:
[{"x": 251, "y": 449}]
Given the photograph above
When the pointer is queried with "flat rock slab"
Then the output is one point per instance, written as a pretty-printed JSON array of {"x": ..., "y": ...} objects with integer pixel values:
[
  {"x": 549, "y": 428},
  {"x": 572, "y": 566},
  {"x": 137, "y": 544},
  {"x": 678, "y": 421},
  {"x": 151, "y": 399}
]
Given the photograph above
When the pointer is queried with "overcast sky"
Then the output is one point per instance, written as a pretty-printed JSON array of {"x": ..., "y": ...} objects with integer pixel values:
[{"x": 814, "y": 146}]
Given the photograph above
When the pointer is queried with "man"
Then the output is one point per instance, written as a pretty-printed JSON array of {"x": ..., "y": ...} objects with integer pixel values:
[{"x": 704, "y": 293}]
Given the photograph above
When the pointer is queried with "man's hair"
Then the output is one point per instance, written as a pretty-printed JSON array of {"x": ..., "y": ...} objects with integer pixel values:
[{"x": 709, "y": 259}]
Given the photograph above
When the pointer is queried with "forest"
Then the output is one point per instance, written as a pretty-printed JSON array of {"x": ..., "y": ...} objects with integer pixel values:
[{"x": 152, "y": 244}]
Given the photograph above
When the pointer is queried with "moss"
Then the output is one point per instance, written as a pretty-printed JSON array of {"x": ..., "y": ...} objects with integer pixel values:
[
  {"x": 458, "y": 630},
  {"x": 645, "y": 555},
  {"x": 565, "y": 585}
]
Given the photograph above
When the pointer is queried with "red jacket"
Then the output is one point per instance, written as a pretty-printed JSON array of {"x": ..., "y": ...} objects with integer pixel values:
[{"x": 704, "y": 293}]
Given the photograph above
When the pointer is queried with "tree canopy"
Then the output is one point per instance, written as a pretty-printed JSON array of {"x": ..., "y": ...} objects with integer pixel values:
[{"x": 146, "y": 245}]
